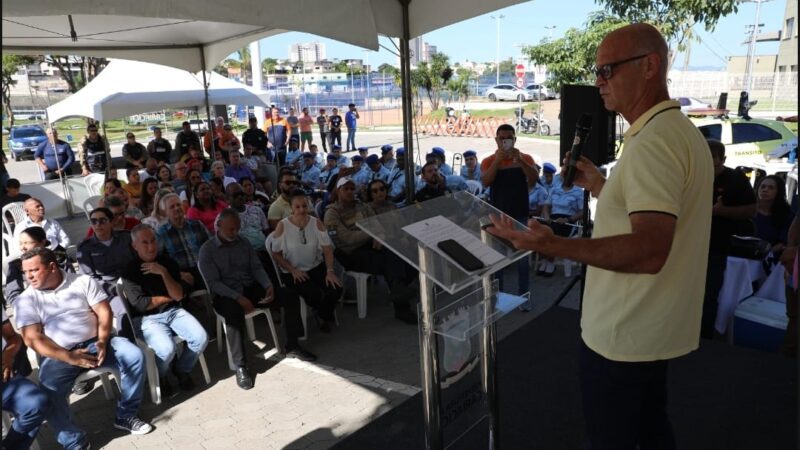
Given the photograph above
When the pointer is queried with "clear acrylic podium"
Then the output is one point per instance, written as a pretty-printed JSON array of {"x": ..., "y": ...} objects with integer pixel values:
[{"x": 458, "y": 310}]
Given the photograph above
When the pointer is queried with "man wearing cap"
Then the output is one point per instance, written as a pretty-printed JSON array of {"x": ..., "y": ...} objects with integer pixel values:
[
  {"x": 294, "y": 157},
  {"x": 159, "y": 148},
  {"x": 237, "y": 169},
  {"x": 363, "y": 151},
  {"x": 329, "y": 172},
  {"x": 437, "y": 154},
  {"x": 322, "y": 123},
  {"x": 397, "y": 178},
  {"x": 387, "y": 157},
  {"x": 375, "y": 170},
  {"x": 319, "y": 160},
  {"x": 550, "y": 178},
  {"x": 278, "y": 132},
  {"x": 341, "y": 160},
  {"x": 351, "y": 119},
  {"x": 309, "y": 177},
  {"x": 254, "y": 137},
  {"x": 134, "y": 153},
  {"x": 470, "y": 170},
  {"x": 357, "y": 172},
  {"x": 185, "y": 139},
  {"x": 54, "y": 156},
  {"x": 356, "y": 250}
]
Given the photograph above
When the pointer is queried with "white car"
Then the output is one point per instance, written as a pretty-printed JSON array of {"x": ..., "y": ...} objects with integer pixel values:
[
  {"x": 508, "y": 92},
  {"x": 690, "y": 103},
  {"x": 538, "y": 89}
]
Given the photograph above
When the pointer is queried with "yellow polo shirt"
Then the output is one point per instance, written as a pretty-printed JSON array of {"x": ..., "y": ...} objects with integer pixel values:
[{"x": 666, "y": 167}]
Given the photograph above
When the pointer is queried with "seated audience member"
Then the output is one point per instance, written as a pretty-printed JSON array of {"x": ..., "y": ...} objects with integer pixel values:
[
  {"x": 66, "y": 318},
  {"x": 150, "y": 169},
  {"x": 134, "y": 186},
  {"x": 135, "y": 154},
  {"x": 23, "y": 398},
  {"x": 319, "y": 158},
  {"x": 152, "y": 286},
  {"x": 217, "y": 187},
  {"x": 357, "y": 171},
  {"x": 304, "y": 253},
  {"x": 35, "y": 218},
  {"x": 131, "y": 211},
  {"x": 281, "y": 208},
  {"x": 197, "y": 161},
  {"x": 251, "y": 198},
  {"x": 363, "y": 152},
  {"x": 106, "y": 252},
  {"x": 357, "y": 251},
  {"x": 147, "y": 194},
  {"x": 251, "y": 160},
  {"x": 773, "y": 214},
  {"x": 375, "y": 170},
  {"x": 193, "y": 178},
  {"x": 549, "y": 178},
  {"x": 342, "y": 161},
  {"x": 564, "y": 207},
  {"x": 536, "y": 200},
  {"x": 397, "y": 179},
  {"x": 238, "y": 283},
  {"x": 159, "y": 148},
  {"x": 218, "y": 171},
  {"x": 179, "y": 178},
  {"x": 119, "y": 222},
  {"x": 164, "y": 175},
  {"x": 309, "y": 174},
  {"x": 435, "y": 185},
  {"x": 254, "y": 227},
  {"x": 185, "y": 139},
  {"x": 158, "y": 217},
  {"x": 237, "y": 168},
  {"x": 206, "y": 206},
  {"x": 181, "y": 239},
  {"x": 13, "y": 195},
  {"x": 437, "y": 155},
  {"x": 294, "y": 155},
  {"x": 30, "y": 238},
  {"x": 109, "y": 185},
  {"x": 377, "y": 197},
  {"x": 387, "y": 157},
  {"x": 329, "y": 172},
  {"x": 471, "y": 170},
  {"x": 227, "y": 142}
]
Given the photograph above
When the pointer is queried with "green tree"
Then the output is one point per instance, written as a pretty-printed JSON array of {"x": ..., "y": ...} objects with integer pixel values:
[
  {"x": 268, "y": 65},
  {"x": 570, "y": 58},
  {"x": 458, "y": 87},
  {"x": 675, "y": 19},
  {"x": 87, "y": 68},
  {"x": 387, "y": 68},
  {"x": 11, "y": 64},
  {"x": 434, "y": 76},
  {"x": 507, "y": 66}
]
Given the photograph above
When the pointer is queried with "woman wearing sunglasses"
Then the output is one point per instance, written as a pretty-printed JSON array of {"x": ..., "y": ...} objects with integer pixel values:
[
  {"x": 304, "y": 253},
  {"x": 377, "y": 191}
]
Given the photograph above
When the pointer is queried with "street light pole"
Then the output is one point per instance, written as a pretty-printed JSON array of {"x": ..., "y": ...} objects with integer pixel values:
[
  {"x": 497, "y": 48},
  {"x": 751, "y": 50}
]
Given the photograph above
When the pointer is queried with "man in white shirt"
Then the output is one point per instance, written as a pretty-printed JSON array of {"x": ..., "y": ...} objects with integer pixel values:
[
  {"x": 66, "y": 319},
  {"x": 35, "y": 211}
]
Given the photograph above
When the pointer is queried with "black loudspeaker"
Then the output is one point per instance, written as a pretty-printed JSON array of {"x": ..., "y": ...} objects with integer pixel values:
[
  {"x": 577, "y": 100},
  {"x": 744, "y": 105},
  {"x": 722, "y": 103}
]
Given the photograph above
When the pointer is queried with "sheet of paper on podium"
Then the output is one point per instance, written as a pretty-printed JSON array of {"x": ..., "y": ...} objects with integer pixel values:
[{"x": 433, "y": 230}]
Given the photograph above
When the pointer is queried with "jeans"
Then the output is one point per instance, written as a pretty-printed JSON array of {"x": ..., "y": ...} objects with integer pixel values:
[
  {"x": 335, "y": 137},
  {"x": 624, "y": 403},
  {"x": 351, "y": 138},
  {"x": 323, "y": 135},
  {"x": 29, "y": 404},
  {"x": 57, "y": 378},
  {"x": 158, "y": 329}
]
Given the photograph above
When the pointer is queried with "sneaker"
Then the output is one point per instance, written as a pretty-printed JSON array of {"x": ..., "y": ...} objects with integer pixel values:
[
  {"x": 184, "y": 381},
  {"x": 243, "y": 379},
  {"x": 83, "y": 387},
  {"x": 300, "y": 353},
  {"x": 133, "y": 424}
]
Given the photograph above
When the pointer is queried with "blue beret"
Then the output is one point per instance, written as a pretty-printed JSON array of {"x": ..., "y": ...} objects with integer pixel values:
[
  {"x": 549, "y": 168},
  {"x": 337, "y": 147},
  {"x": 400, "y": 151},
  {"x": 469, "y": 153},
  {"x": 308, "y": 155},
  {"x": 372, "y": 159},
  {"x": 386, "y": 148},
  {"x": 438, "y": 150},
  {"x": 332, "y": 157},
  {"x": 363, "y": 149},
  {"x": 357, "y": 158}
]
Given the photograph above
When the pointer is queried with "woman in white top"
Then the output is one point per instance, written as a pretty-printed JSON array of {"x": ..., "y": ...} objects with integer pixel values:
[
  {"x": 158, "y": 217},
  {"x": 304, "y": 253}
]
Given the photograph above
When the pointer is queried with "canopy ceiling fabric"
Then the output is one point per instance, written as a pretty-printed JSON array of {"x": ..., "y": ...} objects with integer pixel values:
[
  {"x": 173, "y": 32},
  {"x": 125, "y": 88}
]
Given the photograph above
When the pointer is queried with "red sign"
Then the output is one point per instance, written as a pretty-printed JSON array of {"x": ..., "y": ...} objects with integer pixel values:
[{"x": 519, "y": 71}]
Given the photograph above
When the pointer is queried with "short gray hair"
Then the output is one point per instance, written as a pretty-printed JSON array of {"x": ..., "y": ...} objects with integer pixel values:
[{"x": 137, "y": 230}]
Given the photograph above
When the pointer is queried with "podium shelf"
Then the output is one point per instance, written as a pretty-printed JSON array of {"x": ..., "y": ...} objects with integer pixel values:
[{"x": 467, "y": 316}]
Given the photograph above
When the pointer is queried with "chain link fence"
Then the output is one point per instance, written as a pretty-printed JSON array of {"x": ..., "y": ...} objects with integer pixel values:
[{"x": 775, "y": 92}]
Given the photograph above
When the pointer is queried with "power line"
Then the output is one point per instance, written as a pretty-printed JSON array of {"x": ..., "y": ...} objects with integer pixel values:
[{"x": 725, "y": 60}]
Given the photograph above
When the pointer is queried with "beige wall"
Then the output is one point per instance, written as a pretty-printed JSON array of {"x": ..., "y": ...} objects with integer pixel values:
[
  {"x": 787, "y": 51},
  {"x": 763, "y": 63}
]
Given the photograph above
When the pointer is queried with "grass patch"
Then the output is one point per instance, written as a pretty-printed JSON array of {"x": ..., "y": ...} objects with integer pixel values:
[{"x": 486, "y": 113}]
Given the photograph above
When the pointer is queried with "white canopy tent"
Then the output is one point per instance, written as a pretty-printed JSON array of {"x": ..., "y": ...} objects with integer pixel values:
[{"x": 125, "y": 88}]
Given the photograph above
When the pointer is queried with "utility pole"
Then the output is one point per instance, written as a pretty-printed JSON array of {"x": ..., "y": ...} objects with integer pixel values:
[
  {"x": 748, "y": 84},
  {"x": 497, "y": 48}
]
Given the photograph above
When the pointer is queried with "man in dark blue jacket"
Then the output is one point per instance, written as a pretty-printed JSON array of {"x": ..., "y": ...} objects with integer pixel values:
[{"x": 54, "y": 156}]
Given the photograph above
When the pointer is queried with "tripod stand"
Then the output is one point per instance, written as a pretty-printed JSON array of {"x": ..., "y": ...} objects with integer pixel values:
[{"x": 581, "y": 276}]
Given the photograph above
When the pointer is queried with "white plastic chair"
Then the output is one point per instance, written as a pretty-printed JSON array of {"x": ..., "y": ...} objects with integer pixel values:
[
  {"x": 94, "y": 182},
  {"x": 90, "y": 204},
  {"x": 151, "y": 368},
  {"x": 362, "y": 290},
  {"x": 17, "y": 211},
  {"x": 10, "y": 248},
  {"x": 222, "y": 328}
]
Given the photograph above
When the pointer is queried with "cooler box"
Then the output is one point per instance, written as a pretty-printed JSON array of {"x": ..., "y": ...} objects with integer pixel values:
[{"x": 760, "y": 323}]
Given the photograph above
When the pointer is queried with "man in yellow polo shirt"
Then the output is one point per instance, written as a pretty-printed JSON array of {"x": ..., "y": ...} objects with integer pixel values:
[{"x": 647, "y": 258}]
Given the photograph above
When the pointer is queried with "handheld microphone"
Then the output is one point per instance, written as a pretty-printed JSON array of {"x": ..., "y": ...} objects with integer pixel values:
[{"x": 582, "y": 129}]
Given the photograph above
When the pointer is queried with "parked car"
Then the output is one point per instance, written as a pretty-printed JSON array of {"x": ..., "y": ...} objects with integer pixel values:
[
  {"x": 508, "y": 92},
  {"x": 748, "y": 141},
  {"x": 538, "y": 89},
  {"x": 24, "y": 139},
  {"x": 689, "y": 103}
]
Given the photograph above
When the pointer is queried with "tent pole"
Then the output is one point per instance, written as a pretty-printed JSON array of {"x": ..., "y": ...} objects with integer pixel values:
[
  {"x": 405, "y": 86},
  {"x": 107, "y": 149},
  {"x": 208, "y": 109}
]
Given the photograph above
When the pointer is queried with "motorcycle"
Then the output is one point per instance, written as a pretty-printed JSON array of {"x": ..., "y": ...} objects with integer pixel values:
[{"x": 533, "y": 124}]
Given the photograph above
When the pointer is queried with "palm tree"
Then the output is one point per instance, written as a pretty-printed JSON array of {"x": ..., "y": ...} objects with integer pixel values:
[{"x": 244, "y": 64}]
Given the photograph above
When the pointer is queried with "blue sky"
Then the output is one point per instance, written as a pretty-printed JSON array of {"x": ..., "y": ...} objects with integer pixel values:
[{"x": 525, "y": 24}]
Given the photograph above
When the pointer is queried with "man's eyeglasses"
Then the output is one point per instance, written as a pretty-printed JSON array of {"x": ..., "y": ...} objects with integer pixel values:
[
  {"x": 99, "y": 221},
  {"x": 606, "y": 71}
]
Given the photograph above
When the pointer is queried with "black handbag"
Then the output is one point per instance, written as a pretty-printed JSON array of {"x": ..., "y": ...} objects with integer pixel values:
[{"x": 749, "y": 247}]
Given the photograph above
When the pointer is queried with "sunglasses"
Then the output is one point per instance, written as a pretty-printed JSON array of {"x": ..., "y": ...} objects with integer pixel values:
[
  {"x": 99, "y": 221},
  {"x": 606, "y": 71}
]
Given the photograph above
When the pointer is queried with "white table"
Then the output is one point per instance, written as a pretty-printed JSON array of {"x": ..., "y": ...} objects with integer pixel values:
[{"x": 740, "y": 274}]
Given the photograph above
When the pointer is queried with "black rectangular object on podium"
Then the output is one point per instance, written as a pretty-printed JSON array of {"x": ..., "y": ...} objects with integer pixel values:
[{"x": 577, "y": 100}]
